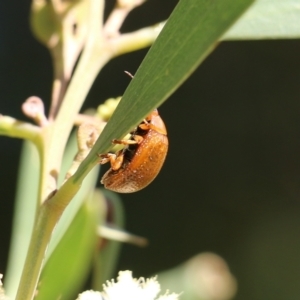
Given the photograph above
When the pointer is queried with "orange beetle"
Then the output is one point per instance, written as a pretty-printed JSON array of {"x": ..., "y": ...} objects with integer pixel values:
[{"x": 135, "y": 166}]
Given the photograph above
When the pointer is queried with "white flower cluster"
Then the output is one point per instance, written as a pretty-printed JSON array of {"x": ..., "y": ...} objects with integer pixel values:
[
  {"x": 2, "y": 295},
  {"x": 128, "y": 288}
]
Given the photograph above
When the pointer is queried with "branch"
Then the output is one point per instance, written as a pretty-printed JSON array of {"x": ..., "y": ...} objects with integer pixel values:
[
  {"x": 135, "y": 40},
  {"x": 14, "y": 128}
]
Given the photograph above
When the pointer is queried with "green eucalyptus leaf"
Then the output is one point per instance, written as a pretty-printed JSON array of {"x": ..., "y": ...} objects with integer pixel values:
[
  {"x": 76, "y": 203},
  {"x": 268, "y": 19},
  {"x": 190, "y": 34},
  {"x": 24, "y": 214},
  {"x": 67, "y": 268}
]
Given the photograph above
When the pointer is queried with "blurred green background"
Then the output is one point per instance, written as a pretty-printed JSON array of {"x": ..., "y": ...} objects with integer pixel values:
[{"x": 231, "y": 181}]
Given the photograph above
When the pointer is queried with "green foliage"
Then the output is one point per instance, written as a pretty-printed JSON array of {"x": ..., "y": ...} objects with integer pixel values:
[
  {"x": 267, "y": 19},
  {"x": 193, "y": 30},
  {"x": 62, "y": 274}
]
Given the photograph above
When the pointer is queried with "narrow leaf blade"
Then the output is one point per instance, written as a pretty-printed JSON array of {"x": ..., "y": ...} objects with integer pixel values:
[
  {"x": 268, "y": 19},
  {"x": 190, "y": 34}
]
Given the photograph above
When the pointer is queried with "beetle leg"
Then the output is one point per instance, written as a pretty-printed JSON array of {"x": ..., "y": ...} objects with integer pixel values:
[
  {"x": 115, "y": 160},
  {"x": 145, "y": 126},
  {"x": 137, "y": 139},
  {"x": 148, "y": 126},
  {"x": 124, "y": 142},
  {"x": 105, "y": 158}
]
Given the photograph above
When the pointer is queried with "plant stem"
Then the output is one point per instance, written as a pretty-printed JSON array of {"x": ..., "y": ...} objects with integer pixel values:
[
  {"x": 48, "y": 216},
  {"x": 55, "y": 136},
  {"x": 93, "y": 58},
  {"x": 97, "y": 52},
  {"x": 18, "y": 129}
]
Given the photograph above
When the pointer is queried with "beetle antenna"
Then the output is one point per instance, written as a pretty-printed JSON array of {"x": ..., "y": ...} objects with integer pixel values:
[{"x": 129, "y": 74}]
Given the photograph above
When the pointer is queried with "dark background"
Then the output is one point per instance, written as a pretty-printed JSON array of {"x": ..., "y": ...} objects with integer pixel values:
[{"x": 231, "y": 180}]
